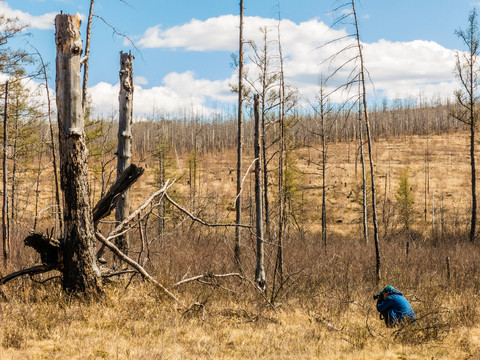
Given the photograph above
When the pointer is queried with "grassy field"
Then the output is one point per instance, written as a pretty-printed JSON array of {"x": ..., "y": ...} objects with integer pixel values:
[{"x": 324, "y": 309}]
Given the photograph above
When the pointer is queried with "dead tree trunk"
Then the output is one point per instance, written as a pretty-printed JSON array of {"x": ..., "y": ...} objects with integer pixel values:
[
  {"x": 5, "y": 227},
  {"x": 370, "y": 152},
  {"x": 238, "y": 201},
  {"x": 364, "y": 177},
  {"x": 87, "y": 55},
  {"x": 80, "y": 273},
  {"x": 260, "y": 271},
  {"x": 124, "y": 152}
]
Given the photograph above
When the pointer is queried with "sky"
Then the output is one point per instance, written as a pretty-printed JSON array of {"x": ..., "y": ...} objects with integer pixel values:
[{"x": 183, "y": 48}]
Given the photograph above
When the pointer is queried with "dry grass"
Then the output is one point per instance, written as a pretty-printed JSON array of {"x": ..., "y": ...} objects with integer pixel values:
[{"x": 325, "y": 309}]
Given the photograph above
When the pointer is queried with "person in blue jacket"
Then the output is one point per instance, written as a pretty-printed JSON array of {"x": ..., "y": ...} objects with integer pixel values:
[{"x": 394, "y": 307}]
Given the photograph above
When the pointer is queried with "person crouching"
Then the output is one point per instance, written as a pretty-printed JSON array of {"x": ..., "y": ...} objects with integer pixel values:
[{"x": 393, "y": 307}]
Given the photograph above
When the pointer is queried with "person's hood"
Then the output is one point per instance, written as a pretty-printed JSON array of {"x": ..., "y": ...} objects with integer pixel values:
[{"x": 395, "y": 292}]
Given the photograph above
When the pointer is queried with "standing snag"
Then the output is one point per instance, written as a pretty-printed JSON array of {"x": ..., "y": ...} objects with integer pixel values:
[
  {"x": 124, "y": 152},
  {"x": 80, "y": 273}
]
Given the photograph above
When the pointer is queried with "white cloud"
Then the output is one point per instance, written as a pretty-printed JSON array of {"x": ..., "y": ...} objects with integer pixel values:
[
  {"x": 140, "y": 80},
  {"x": 42, "y": 22},
  {"x": 179, "y": 92},
  {"x": 395, "y": 67}
]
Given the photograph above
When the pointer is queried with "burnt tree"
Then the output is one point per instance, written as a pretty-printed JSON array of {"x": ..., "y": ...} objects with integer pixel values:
[
  {"x": 124, "y": 152},
  {"x": 260, "y": 279},
  {"x": 80, "y": 272}
]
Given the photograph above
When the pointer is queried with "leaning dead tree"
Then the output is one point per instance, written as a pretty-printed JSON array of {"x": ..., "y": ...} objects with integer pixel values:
[
  {"x": 124, "y": 152},
  {"x": 80, "y": 271}
]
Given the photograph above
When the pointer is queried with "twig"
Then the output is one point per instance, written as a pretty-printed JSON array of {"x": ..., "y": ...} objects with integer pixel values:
[
  {"x": 207, "y": 276},
  {"x": 193, "y": 217},
  {"x": 134, "y": 214},
  {"x": 116, "y": 32},
  {"x": 243, "y": 180},
  {"x": 135, "y": 265},
  {"x": 118, "y": 273},
  {"x": 46, "y": 280},
  {"x": 196, "y": 304}
]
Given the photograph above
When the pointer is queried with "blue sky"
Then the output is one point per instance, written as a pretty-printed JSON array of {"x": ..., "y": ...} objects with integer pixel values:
[{"x": 183, "y": 47}]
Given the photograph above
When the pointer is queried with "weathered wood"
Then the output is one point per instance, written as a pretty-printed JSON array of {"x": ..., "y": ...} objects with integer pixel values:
[
  {"x": 80, "y": 272},
  {"x": 260, "y": 279},
  {"x": 50, "y": 250},
  {"x": 37, "y": 269},
  {"x": 124, "y": 152},
  {"x": 105, "y": 205}
]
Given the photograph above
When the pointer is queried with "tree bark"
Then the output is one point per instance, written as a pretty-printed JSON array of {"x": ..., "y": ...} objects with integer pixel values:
[
  {"x": 81, "y": 274},
  {"x": 260, "y": 270},
  {"x": 5, "y": 227},
  {"x": 124, "y": 152}
]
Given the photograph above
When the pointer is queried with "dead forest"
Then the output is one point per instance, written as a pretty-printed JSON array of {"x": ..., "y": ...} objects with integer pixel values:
[{"x": 277, "y": 217}]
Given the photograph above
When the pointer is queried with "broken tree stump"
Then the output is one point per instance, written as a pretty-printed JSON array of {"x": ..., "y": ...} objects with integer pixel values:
[{"x": 106, "y": 204}]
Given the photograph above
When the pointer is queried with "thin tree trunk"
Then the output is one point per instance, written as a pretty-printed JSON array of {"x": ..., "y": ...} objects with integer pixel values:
[
  {"x": 59, "y": 213},
  {"x": 263, "y": 137},
  {"x": 260, "y": 270},
  {"x": 124, "y": 152},
  {"x": 281, "y": 166},
  {"x": 370, "y": 153},
  {"x": 87, "y": 55},
  {"x": 80, "y": 273},
  {"x": 37, "y": 185},
  {"x": 364, "y": 178},
  {"x": 324, "y": 170},
  {"x": 5, "y": 227},
  {"x": 238, "y": 201},
  {"x": 473, "y": 222},
  {"x": 11, "y": 222}
]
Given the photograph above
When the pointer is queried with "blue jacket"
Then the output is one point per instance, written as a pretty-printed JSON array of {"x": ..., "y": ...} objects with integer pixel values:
[{"x": 396, "y": 306}]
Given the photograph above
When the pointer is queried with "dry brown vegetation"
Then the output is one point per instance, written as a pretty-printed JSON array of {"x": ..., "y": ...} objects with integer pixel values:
[{"x": 325, "y": 309}]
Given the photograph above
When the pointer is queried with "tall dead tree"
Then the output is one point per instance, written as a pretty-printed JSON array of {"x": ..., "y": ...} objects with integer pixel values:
[
  {"x": 467, "y": 71},
  {"x": 281, "y": 167},
  {"x": 124, "y": 152},
  {"x": 80, "y": 273},
  {"x": 5, "y": 225},
  {"x": 87, "y": 56},
  {"x": 364, "y": 175},
  {"x": 260, "y": 270},
  {"x": 238, "y": 200},
  {"x": 362, "y": 81}
]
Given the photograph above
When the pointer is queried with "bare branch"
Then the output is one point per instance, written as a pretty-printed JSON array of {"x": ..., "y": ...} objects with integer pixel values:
[
  {"x": 208, "y": 276},
  {"x": 135, "y": 265},
  {"x": 193, "y": 217}
]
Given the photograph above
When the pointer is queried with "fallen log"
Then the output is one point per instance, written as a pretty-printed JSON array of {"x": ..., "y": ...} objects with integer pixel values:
[{"x": 37, "y": 269}]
